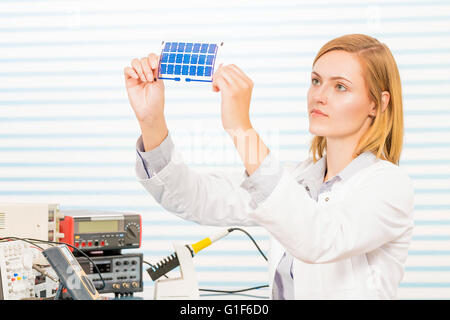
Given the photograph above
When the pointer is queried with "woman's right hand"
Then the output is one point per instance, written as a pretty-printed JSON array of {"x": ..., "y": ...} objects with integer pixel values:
[{"x": 145, "y": 90}]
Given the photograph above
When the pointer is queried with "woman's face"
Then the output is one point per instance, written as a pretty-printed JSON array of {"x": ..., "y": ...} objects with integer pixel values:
[{"x": 338, "y": 90}]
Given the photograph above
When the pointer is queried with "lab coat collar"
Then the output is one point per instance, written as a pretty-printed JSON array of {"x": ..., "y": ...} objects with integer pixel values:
[{"x": 313, "y": 177}]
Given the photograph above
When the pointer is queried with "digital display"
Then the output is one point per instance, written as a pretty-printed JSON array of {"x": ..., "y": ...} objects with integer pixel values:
[
  {"x": 103, "y": 267},
  {"x": 98, "y": 226}
]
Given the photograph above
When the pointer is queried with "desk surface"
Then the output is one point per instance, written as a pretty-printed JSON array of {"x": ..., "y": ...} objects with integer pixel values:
[{"x": 258, "y": 294}]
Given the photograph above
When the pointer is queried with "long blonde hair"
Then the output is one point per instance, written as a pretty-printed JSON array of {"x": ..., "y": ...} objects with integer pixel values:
[{"x": 384, "y": 137}]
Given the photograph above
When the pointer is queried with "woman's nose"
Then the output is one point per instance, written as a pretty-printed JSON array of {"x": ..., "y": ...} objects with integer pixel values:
[{"x": 319, "y": 95}]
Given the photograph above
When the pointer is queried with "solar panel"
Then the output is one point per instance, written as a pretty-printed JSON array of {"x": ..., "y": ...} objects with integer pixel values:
[{"x": 191, "y": 61}]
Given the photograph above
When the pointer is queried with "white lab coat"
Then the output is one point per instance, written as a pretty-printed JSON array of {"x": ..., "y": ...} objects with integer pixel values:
[{"x": 350, "y": 244}]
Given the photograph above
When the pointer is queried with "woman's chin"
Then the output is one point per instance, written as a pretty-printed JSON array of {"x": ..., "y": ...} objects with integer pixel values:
[{"x": 316, "y": 131}]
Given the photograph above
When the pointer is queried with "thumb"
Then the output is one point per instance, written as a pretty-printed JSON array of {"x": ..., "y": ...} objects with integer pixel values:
[{"x": 215, "y": 88}]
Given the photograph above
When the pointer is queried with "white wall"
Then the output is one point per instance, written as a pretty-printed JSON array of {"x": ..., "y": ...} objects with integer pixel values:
[{"x": 67, "y": 132}]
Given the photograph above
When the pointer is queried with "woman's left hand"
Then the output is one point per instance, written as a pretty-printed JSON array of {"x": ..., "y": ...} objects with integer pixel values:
[{"x": 236, "y": 88}]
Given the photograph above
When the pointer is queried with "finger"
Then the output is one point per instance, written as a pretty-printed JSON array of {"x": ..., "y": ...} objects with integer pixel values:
[
  {"x": 241, "y": 74},
  {"x": 130, "y": 73},
  {"x": 215, "y": 75},
  {"x": 217, "y": 70},
  {"x": 219, "y": 82},
  {"x": 146, "y": 69},
  {"x": 233, "y": 78},
  {"x": 153, "y": 60},
  {"x": 136, "y": 64}
]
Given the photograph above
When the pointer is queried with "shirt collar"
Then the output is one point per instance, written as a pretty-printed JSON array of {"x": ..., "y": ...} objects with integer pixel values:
[
  {"x": 316, "y": 173},
  {"x": 362, "y": 161}
]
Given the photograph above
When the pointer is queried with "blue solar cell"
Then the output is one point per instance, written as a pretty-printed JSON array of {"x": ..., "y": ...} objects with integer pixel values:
[
  {"x": 188, "y": 47},
  {"x": 174, "y": 46},
  {"x": 178, "y": 69},
  {"x": 194, "y": 58},
  {"x": 188, "y": 59},
  {"x": 209, "y": 60},
  {"x": 212, "y": 48},
  {"x": 167, "y": 47},
  {"x": 200, "y": 70}
]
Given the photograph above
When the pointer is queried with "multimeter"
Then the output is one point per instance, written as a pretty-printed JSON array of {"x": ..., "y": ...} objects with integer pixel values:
[{"x": 70, "y": 273}]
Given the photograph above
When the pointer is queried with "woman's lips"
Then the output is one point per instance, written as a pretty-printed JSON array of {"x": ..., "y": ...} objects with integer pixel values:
[{"x": 318, "y": 113}]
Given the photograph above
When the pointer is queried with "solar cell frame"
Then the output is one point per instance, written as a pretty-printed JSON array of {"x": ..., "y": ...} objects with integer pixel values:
[{"x": 191, "y": 61}]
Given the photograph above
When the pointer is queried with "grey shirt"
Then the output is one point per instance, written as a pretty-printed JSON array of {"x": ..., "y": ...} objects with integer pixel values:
[{"x": 260, "y": 185}]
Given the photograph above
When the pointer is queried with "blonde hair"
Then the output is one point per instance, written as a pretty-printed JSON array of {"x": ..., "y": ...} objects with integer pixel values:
[{"x": 384, "y": 137}]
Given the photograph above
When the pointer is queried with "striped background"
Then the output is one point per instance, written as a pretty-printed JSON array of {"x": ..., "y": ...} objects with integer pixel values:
[{"x": 67, "y": 132}]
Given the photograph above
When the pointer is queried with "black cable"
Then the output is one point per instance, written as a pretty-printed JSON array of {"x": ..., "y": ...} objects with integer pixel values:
[
  {"x": 234, "y": 291},
  {"x": 84, "y": 254},
  {"x": 251, "y": 238},
  {"x": 15, "y": 238},
  {"x": 54, "y": 242},
  {"x": 241, "y": 290}
]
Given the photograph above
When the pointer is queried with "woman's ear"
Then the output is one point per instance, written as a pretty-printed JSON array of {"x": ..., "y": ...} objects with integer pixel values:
[
  {"x": 373, "y": 110},
  {"x": 385, "y": 97}
]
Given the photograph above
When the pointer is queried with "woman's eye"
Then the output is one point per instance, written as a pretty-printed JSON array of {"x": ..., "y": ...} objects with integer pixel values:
[
  {"x": 341, "y": 87},
  {"x": 313, "y": 80}
]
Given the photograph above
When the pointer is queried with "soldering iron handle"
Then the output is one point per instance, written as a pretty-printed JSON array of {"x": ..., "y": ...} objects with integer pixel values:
[
  {"x": 202, "y": 244},
  {"x": 219, "y": 235}
]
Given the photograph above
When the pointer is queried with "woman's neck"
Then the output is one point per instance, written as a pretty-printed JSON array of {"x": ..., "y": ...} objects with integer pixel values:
[
  {"x": 339, "y": 155},
  {"x": 340, "y": 150}
]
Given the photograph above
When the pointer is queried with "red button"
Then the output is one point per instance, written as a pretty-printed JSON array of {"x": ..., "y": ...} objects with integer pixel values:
[
  {"x": 13, "y": 279},
  {"x": 77, "y": 244},
  {"x": 89, "y": 244},
  {"x": 102, "y": 243},
  {"x": 83, "y": 244}
]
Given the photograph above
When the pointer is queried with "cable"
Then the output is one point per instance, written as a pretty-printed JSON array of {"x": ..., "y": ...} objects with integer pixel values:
[
  {"x": 251, "y": 238},
  {"x": 84, "y": 254},
  {"x": 69, "y": 245},
  {"x": 44, "y": 273},
  {"x": 231, "y": 291},
  {"x": 234, "y": 291},
  {"x": 242, "y": 290},
  {"x": 15, "y": 238}
]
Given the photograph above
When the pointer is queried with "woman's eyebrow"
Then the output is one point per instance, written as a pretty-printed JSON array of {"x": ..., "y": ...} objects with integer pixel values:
[{"x": 332, "y": 78}]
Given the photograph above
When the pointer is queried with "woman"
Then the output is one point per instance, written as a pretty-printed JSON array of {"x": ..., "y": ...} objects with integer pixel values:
[{"x": 341, "y": 221}]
